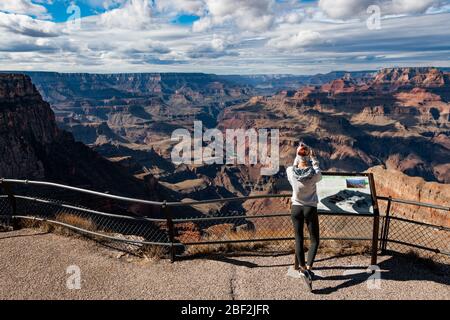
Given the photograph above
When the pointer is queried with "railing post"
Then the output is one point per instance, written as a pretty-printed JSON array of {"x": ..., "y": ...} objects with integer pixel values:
[
  {"x": 6, "y": 187},
  {"x": 170, "y": 230},
  {"x": 376, "y": 221},
  {"x": 387, "y": 222}
]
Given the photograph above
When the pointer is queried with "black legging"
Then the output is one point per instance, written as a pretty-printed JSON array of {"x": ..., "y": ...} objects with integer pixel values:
[{"x": 300, "y": 215}]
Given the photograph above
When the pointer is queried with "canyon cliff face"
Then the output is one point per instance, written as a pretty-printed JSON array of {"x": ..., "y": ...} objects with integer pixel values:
[
  {"x": 394, "y": 78},
  {"x": 399, "y": 119},
  {"x": 32, "y": 146},
  {"x": 135, "y": 108},
  {"x": 27, "y": 125},
  {"x": 398, "y": 185}
]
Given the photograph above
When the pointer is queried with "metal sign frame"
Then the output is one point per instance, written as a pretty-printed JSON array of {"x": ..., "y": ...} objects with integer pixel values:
[{"x": 375, "y": 214}]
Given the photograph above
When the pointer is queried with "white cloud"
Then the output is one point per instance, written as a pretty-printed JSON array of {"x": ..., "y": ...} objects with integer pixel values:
[
  {"x": 25, "y": 25},
  {"x": 137, "y": 36},
  {"x": 23, "y": 7},
  {"x": 146, "y": 46},
  {"x": 411, "y": 6},
  {"x": 216, "y": 48},
  {"x": 247, "y": 15},
  {"x": 344, "y": 9},
  {"x": 173, "y": 7},
  {"x": 47, "y": 46},
  {"x": 105, "y": 4},
  {"x": 203, "y": 24},
  {"x": 297, "y": 40},
  {"x": 133, "y": 14},
  {"x": 292, "y": 17},
  {"x": 352, "y": 9}
]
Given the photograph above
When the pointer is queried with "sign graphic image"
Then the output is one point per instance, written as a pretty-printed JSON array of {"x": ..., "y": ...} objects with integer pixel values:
[{"x": 345, "y": 194}]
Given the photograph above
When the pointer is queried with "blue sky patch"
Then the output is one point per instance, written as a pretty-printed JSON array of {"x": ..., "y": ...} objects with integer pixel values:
[
  {"x": 185, "y": 19},
  {"x": 58, "y": 10}
]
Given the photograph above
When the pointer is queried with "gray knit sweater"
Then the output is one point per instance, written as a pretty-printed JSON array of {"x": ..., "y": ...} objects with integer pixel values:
[{"x": 304, "y": 190}]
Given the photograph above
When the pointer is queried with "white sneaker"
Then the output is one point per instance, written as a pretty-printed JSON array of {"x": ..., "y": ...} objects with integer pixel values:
[
  {"x": 307, "y": 279},
  {"x": 294, "y": 273}
]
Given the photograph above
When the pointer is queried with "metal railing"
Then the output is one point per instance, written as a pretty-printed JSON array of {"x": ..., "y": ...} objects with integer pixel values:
[
  {"x": 400, "y": 233},
  {"x": 178, "y": 233}
]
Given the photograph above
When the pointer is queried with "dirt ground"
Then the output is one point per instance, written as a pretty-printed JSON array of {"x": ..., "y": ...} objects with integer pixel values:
[{"x": 37, "y": 265}]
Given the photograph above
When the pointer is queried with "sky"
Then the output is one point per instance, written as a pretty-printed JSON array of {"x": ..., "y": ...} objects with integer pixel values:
[{"x": 222, "y": 36}]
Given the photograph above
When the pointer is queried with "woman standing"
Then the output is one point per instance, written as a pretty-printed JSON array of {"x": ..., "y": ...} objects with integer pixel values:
[{"x": 303, "y": 177}]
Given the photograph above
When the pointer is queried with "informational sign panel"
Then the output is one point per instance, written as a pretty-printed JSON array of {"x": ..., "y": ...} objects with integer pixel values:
[{"x": 345, "y": 194}]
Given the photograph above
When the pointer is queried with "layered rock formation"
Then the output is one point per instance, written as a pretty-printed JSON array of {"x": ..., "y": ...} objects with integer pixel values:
[
  {"x": 141, "y": 108},
  {"x": 350, "y": 119},
  {"x": 32, "y": 146},
  {"x": 398, "y": 185},
  {"x": 410, "y": 77},
  {"x": 400, "y": 119}
]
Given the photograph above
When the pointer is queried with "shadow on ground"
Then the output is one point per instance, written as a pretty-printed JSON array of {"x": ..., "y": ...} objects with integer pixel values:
[
  {"x": 398, "y": 267},
  {"x": 23, "y": 235}
]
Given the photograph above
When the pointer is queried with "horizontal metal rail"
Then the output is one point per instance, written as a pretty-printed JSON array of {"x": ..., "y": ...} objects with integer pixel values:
[
  {"x": 261, "y": 216},
  {"x": 210, "y": 218},
  {"x": 93, "y": 233},
  {"x": 440, "y": 228},
  {"x": 214, "y": 218},
  {"x": 419, "y": 247},
  {"x": 200, "y": 202},
  {"x": 267, "y": 240},
  {"x": 100, "y": 213},
  {"x": 96, "y": 193},
  {"x": 136, "y": 242},
  {"x": 415, "y": 203},
  {"x": 196, "y": 219}
]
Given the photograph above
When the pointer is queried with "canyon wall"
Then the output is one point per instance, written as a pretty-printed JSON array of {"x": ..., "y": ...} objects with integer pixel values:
[
  {"x": 32, "y": 146},
  {"x": 398, "y": 185}
]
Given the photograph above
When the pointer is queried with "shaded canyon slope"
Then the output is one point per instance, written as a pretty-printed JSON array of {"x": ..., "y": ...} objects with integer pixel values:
[{"x": 33, "y": 147}]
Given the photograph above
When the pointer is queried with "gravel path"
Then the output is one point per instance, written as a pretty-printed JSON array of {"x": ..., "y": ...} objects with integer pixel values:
[{"x": 33, "y": 266}]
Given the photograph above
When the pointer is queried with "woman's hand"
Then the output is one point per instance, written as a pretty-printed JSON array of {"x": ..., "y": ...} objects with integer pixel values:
[{"x": 315, "y": 162}]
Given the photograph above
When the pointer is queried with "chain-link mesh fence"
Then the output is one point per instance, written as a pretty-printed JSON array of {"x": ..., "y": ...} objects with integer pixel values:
[
  {"x": 109, "y": 224},
  {"x": 272, "y": 233},
  {"x": 121, "y": 230},
  {"x": 139, "y": 224},
  {"x": 421, "y": 239},
  {"x": 5, "y": 212}
]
